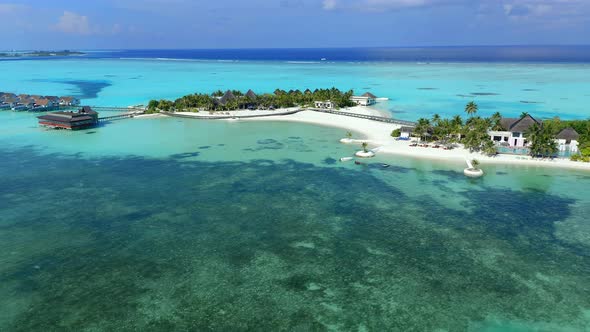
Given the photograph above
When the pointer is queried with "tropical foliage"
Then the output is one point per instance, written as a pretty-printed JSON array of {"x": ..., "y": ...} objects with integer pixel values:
[
  {"x": 364, "y": 146},
  {"x": 476, "y": 137},
  {"x": 473, "y": 133},
  {"x": 471, "y": 108},
  {"x": 542, "y": 141},
  {"x": 278, "y": 99}
]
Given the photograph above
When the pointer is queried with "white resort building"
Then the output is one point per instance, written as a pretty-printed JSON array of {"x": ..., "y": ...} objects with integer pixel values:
[
  {"x": 367, "y": 99},
  {"x": 513, "y": 133},
  {"x": 406, "y": 133},
  {"x": 567, "y": 140}
]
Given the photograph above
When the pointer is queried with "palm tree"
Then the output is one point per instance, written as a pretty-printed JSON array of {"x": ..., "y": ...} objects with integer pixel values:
[
  {"x": 471, "y": 108},
  {"x": 349, "y": 134},
  {"x": 422, "y": 127},
  {"x": 435, "y": 118},
  {"x": 542, "y": 141},
  {"x": 364, "y": 146},
  {"x": 523, "y": 114},
  {"x": 495, "y": 119},
  {"x": 475, "y": 163}
]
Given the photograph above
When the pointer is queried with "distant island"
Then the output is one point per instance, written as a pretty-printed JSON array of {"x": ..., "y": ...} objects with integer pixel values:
[
  {"x": 40, "y": 54},
  {"x": 234, "y": 99}
]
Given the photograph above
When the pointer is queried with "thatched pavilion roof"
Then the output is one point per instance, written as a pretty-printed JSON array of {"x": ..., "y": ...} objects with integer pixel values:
[
  {"x": 370, "y": 95},
  {"x": 250, "y": 94},
  {"x": 569, "y": 134},
  {"x": 519, "y": 124},
  {"x": 228, "y": 96}
]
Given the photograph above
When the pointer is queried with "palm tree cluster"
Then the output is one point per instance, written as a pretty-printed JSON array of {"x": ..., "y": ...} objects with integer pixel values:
[
  {"x": 278, "y": 99},
  {"x": 473, "y": 133},
  {"x": 542, "y": 141}
]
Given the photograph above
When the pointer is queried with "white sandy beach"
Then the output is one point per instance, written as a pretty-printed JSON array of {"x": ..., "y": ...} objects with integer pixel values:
[{"x": 378, "y": 135}]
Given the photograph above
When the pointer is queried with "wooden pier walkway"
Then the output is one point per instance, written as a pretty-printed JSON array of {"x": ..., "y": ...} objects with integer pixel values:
[
  {"x": 120, "y": 116},
  {"x": 368, "y": 117},
  {"x": 355, "y": 115}
]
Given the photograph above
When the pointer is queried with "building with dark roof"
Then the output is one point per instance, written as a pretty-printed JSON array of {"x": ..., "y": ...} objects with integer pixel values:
[
  {"x": 83, "y": 118},
  {"x": 227, "y": 97},
  {"x": 568, "y": 140},
  {"x": 514, "y": 131},
  {"x": 367, "y": 99},
  {"x": 568, "y": 134},
  {"x": 369, "y": 95},
  {"x": 250, "y": 94},
  {"x": 69, "y": 101}
]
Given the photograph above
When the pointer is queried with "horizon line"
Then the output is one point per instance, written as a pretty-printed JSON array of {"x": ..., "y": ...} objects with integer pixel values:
[{"x": 304, "y": 48}]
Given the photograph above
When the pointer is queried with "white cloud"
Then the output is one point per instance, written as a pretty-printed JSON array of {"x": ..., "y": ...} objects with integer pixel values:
[
  {"x": 547, "y": 11},
  {"x": 329, "y": 4},
  {"x": 11, "y": 8},
  {"x": 76, "y": 24},
  {"x": 73, "y": 23},
  {"x": 385, "y": 5}
]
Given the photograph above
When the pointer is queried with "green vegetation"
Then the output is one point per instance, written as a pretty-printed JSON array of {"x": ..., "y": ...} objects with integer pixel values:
[
  {"x": 233, "y": 100},
  {"x": 542, "y": 141},
  {"x": 396, "y": 133},
  {"x": 582, "y": 127},
  {"x": 471, "y": 108},
  {"x": 476, "y": 137},
  {"x": 473, "y": 133},
  {"x": 583, "y": 156},
  {"x": 364, "y": 146}
]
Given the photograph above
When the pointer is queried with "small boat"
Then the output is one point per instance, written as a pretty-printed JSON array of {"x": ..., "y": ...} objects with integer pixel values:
[
  {"x": 343, "y": 159},
  {"x": 356, "y": 162},
  {"x": 323, "y": 59},
  {"x": 385, "y": 165}
]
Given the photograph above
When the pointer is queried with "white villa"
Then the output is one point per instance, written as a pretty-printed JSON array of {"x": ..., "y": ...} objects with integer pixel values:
[
  {"x": 514, "y": 134},
  {"x": 367, "y": 99},
  {"x": 514, "y": 131},
  {"x": 406, "y": 132},
  {"x": 567, "y": 140},
  {"x": 327, "y": 105}
]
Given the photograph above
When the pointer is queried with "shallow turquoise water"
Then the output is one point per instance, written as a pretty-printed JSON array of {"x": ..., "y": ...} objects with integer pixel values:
[
  {"x": 177, "y": 224},
  {"x": 416, "y": 90}
]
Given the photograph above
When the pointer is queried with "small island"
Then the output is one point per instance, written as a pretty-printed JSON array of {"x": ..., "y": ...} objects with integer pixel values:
[
  {"x": 280, "y": 99},
  {"x": 16, "y": 54},
  {"x": 494, "y": 139}
]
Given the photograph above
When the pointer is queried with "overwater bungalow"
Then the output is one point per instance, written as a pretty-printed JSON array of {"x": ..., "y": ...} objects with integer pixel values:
[
  {"x": 69, "y": 101},
  {"x": 367, "y": 99},
  {"x": 43, "y": 104},
  {"x": 83, "y": 118}
]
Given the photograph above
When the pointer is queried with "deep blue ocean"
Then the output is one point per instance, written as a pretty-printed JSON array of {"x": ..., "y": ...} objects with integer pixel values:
[{"x": 546, "y": 54}]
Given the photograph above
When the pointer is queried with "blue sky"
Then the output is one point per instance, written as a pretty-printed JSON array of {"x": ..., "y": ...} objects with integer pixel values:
[{"x": 96, "y": 24}]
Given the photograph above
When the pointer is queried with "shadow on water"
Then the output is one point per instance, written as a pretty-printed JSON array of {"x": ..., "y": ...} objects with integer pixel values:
[
  {"x": 188, "y": 245},
  {"x": 83, "y": 89}
]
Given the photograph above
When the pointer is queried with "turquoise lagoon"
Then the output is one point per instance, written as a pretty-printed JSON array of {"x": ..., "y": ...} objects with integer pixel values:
[
  {"x": 415, "y": 89},
  {"x": 175, "y": 224}
]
